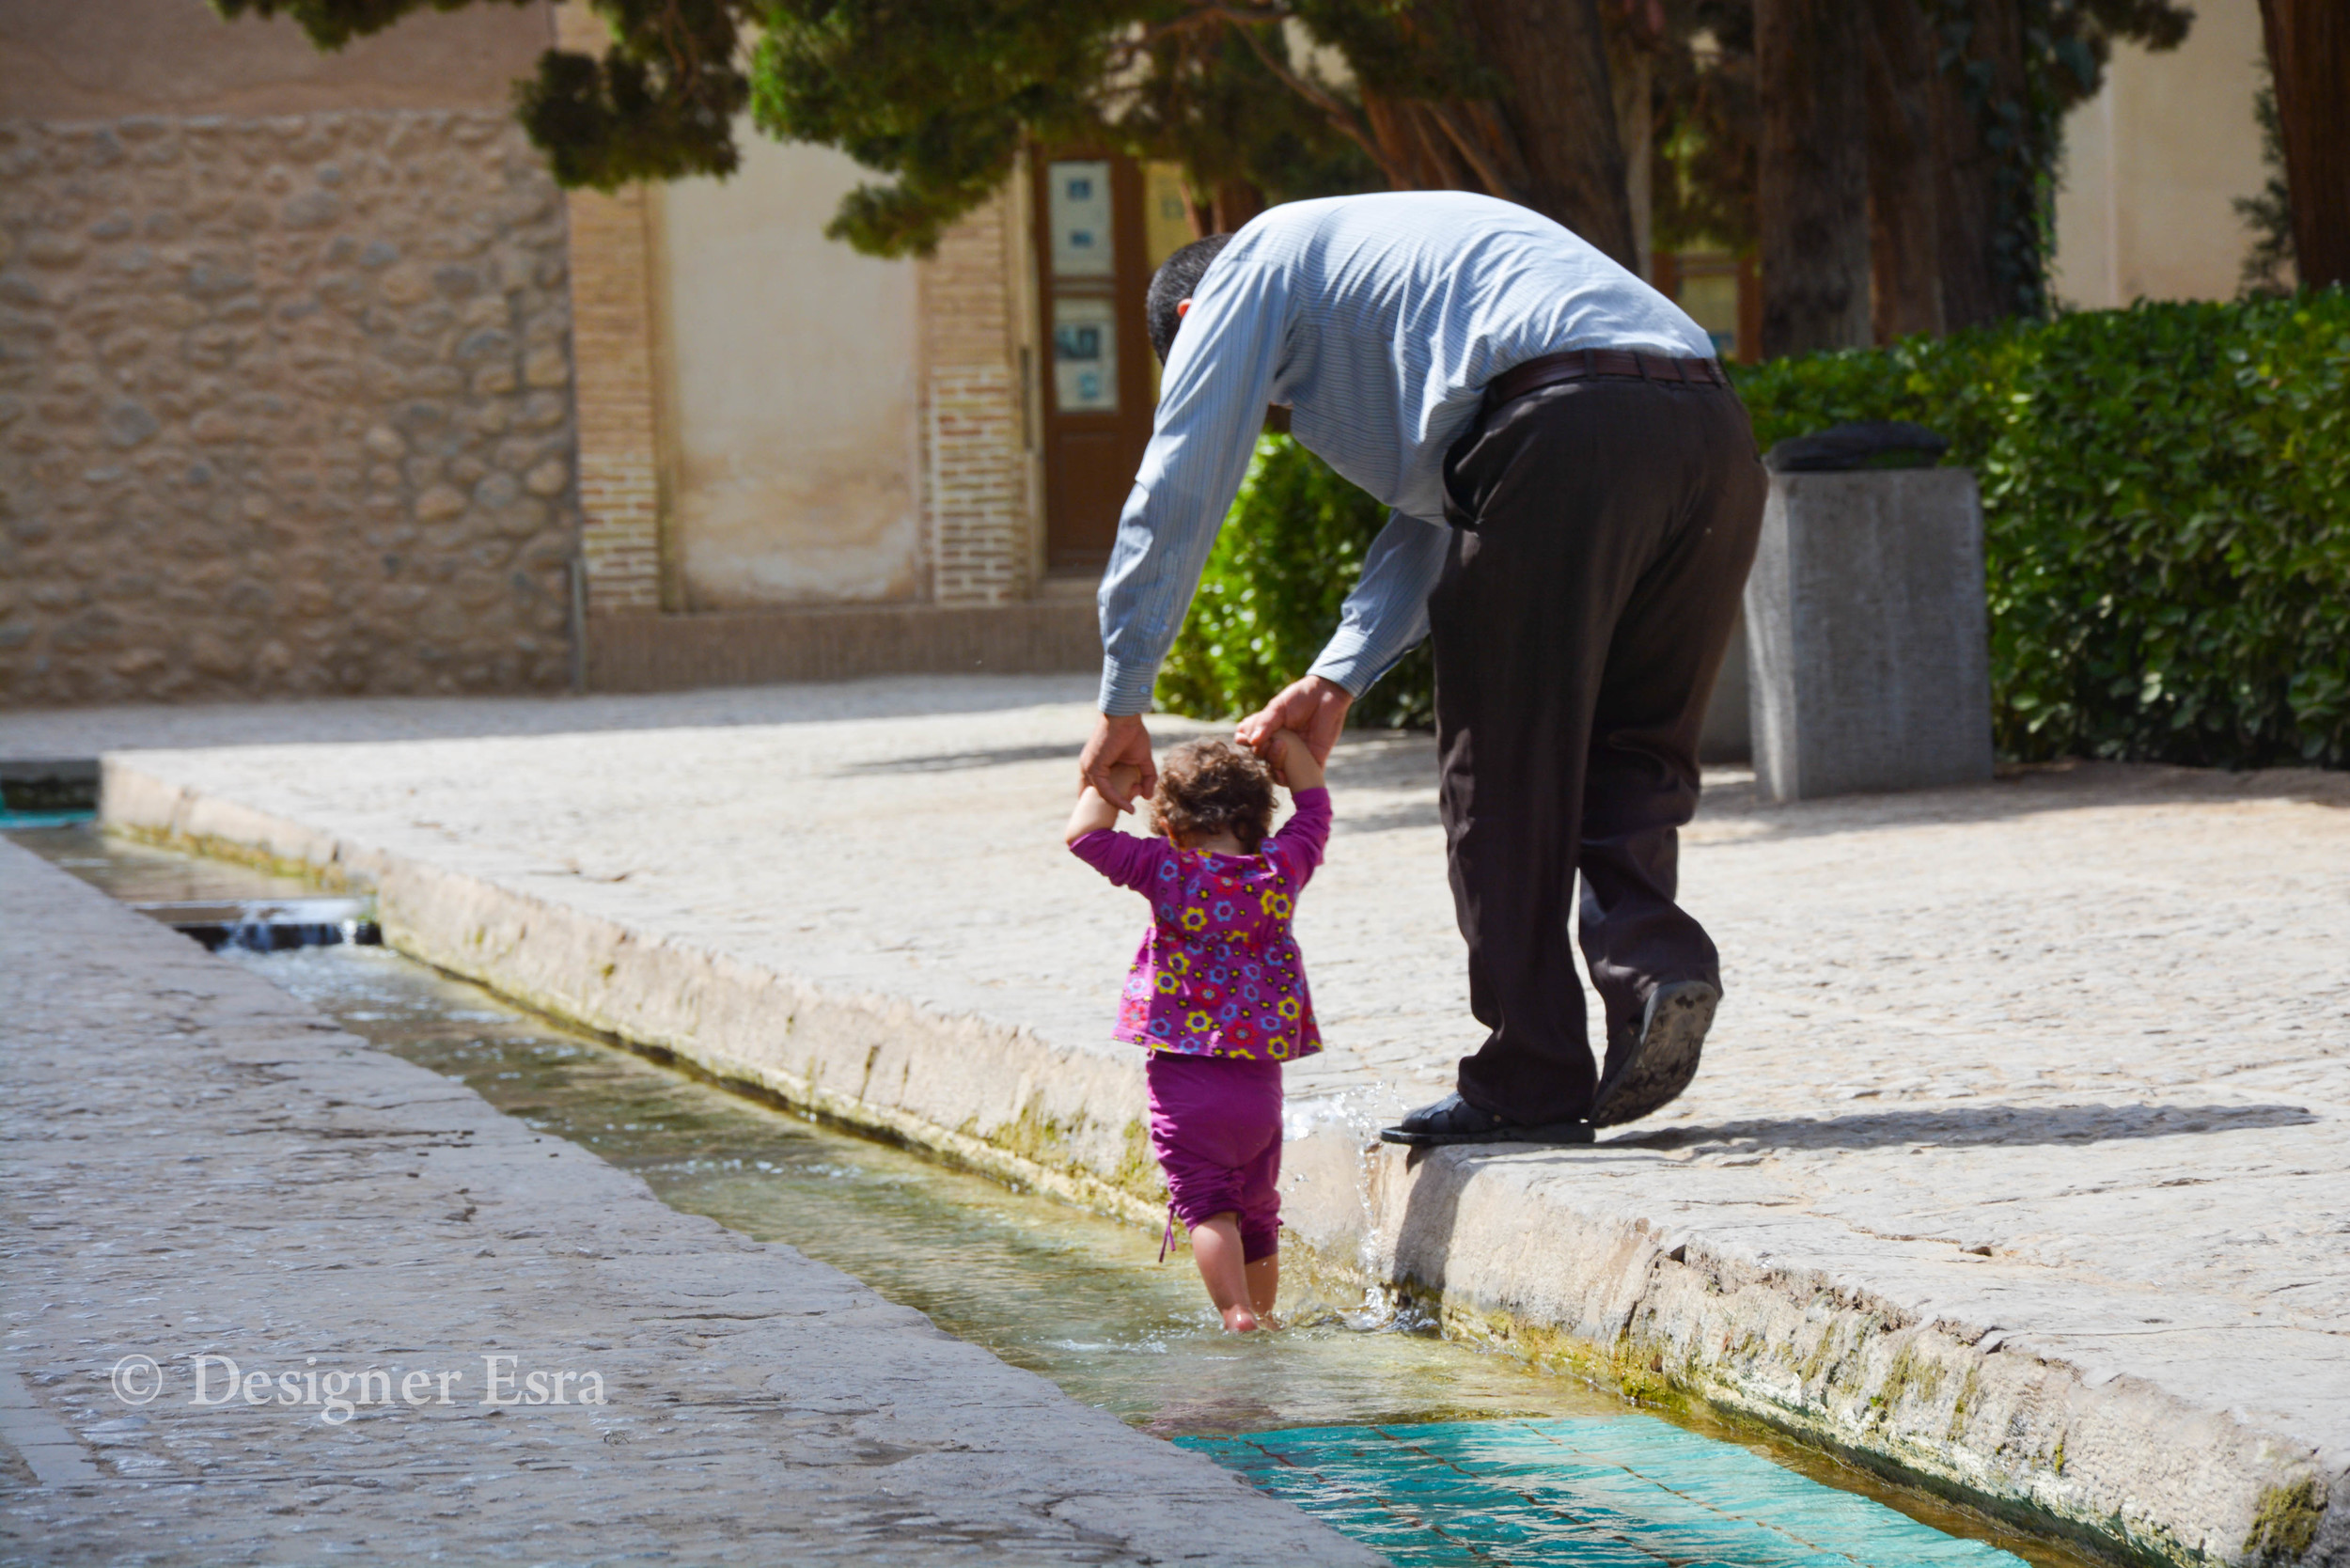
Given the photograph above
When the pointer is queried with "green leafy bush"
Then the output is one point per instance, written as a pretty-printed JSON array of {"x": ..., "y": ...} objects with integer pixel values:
[
  {"x": 1292, "y": 547},
  {"x": 2165, "y": 501},
  {"x": 2167, "y": 513}
]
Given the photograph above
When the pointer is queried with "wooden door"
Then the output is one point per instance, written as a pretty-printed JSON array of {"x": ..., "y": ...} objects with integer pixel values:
[{"x": 1092, "y": 270}]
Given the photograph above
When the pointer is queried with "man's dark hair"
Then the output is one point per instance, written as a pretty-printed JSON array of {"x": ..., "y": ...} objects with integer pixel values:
[{"x": 1177, "y": 280}]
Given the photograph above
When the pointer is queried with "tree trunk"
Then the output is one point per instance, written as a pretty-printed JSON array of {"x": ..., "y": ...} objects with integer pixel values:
[
  {"x": 2309, "y": 56},
  {"x": 1558, "y": 109},
  {"x": 1904, "y": 235},
  {"x": 1812, "y": 184},
  {"x": 1978, "y": 282},
  {"x": 1234, "y": 203},
  {"x": 1634, "y": 77}
]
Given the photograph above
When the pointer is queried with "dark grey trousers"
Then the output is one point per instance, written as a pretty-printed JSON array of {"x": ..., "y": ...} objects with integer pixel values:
[{"x": 1603, "y": 533}]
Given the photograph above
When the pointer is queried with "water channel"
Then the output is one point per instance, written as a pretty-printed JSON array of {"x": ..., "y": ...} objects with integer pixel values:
[{"x": 1433, "y": 1452}]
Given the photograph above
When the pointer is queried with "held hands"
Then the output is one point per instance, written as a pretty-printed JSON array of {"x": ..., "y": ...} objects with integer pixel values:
[
  {"x": 1314, "y": 710},
  {"x": 1117, "y": 766},
  {"x": 1293, "y": 761},
  {"x": 1094, "y": 811},
  {"x": 1116, "y": 762}
]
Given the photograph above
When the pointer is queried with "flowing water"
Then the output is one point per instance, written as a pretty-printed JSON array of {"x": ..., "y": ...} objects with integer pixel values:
[{"x": 1434, "y": 1452}]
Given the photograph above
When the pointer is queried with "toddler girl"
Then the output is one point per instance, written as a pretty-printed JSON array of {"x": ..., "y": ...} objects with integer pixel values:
[{"x": 1217, "y": 992}]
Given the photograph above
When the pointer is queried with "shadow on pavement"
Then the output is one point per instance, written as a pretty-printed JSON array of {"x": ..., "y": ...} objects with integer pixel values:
[
  {"x": 959, "y": 762},
  {"x": 1991, "y": 1123},
  {"x": 1408, "y": 761},
  {"x": 90, "y": 731}
]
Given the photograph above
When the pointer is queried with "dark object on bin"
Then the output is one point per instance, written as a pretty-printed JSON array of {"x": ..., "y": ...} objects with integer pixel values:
[{"x": 1878, "y": 444}]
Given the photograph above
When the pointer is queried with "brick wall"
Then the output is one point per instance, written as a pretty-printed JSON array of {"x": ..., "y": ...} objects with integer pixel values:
[
  {"x": 284, "y": 408},
  {"x": 980, "y": 534},
  {"x": 612, "y": 334},
  {"x": 619, "y": 464}
]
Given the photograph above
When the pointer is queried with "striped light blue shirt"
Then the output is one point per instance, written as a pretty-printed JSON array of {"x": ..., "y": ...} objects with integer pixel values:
[{"x": 1377, "y": 321}]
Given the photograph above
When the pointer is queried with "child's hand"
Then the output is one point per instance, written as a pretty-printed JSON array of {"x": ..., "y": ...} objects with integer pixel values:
[
  {"x": 1095, "y": 810},
  {"x": 1293, "y": 763}
]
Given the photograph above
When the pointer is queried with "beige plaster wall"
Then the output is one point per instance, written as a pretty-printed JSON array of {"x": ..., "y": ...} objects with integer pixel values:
[
  {"x": 2153, "y": 164},
  {"x": 790, "y": 388},
  {"x": 93, "y": 59}
]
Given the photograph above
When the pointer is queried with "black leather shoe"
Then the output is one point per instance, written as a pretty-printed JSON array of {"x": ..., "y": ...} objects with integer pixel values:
[
  {"x": 1657, "y": 1066},
  {"x": 1453, "y": 1120}
]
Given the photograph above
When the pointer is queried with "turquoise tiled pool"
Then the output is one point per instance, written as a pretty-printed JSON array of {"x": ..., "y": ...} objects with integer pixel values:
[{"x": 1620, "y": 1492}]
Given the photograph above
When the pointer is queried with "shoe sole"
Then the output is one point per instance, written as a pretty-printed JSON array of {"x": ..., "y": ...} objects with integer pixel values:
[
  {"x": 1557, "y": 1133},
  {"x": 1666, "y": 1058}
]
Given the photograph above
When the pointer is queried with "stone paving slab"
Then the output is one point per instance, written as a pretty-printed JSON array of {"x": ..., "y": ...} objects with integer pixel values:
[
  {"x": 197, "y": 1164},
  {"x": 2019, "y": 1161}
]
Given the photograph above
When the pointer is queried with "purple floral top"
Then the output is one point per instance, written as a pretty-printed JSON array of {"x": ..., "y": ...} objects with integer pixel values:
[{"x": 1219, "y": 973}]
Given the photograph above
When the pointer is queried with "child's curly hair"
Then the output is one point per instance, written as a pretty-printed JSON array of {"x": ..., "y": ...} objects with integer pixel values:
[{"x": 1207, "y": 786}]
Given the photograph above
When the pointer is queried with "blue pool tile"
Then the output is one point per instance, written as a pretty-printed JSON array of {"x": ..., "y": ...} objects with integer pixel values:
[{"x": 1627, "y": 1491}]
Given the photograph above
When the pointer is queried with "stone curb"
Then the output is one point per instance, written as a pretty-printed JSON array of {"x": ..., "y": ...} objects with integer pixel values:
[{"x": 1497, "y": 1244}]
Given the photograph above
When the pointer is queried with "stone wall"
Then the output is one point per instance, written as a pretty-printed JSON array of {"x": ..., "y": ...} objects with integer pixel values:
[{"x": 284, "y": 408}]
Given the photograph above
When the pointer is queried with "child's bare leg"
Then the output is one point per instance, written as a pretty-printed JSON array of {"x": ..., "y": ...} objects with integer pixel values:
[
  {"x": 1265, "y": 1283},
  {"x": 1216, "y": 1248}
]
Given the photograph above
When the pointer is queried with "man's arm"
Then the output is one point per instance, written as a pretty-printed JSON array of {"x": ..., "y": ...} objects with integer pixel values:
[
  {"x": 1386, "y": 617},
  {"x": 1210, "y": 411}
]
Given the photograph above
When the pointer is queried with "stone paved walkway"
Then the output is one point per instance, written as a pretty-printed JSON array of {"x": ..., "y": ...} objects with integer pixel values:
[
  {"x": 2064, "y": 1059},
  {"x": 197, "y": 1165}
]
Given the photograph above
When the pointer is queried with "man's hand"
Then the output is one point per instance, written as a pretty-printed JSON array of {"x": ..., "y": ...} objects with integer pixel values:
[
  {"x": 1313, "y": 707},
  {"x": 1117, "y": 760}
]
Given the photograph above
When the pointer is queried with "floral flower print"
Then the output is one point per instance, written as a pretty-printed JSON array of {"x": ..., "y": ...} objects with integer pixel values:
[{"x": 1219, "y": 973}]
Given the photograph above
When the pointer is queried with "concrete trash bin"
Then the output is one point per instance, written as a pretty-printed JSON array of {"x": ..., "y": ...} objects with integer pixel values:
[{"x": 1868, "y": 641}]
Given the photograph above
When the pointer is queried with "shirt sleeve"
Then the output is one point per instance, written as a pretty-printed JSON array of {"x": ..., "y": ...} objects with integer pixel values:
[
  {"x": 1299, "y": 844},
  {"x": 1387, "y": 615},
  {"x": 1127, "y": 860},
  {"x": 1211, "y": 407}
]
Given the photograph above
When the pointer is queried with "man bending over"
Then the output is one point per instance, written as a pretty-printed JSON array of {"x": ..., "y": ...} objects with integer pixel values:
[{"x": 1576, "y": 498}]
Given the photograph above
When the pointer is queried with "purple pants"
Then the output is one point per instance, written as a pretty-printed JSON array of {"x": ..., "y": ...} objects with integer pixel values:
[{"x": 1216, "y": 1126}]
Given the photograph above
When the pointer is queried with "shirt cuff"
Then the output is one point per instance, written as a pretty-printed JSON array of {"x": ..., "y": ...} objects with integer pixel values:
[
  {"x": 1125, "y": 688},
  {"x": 1346, "y": 659}
]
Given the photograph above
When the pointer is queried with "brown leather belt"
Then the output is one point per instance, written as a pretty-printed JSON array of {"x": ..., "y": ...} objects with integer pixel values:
[{"x": 1583, "y": 364}]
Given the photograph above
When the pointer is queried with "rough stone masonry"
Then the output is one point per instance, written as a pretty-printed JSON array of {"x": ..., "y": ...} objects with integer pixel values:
[
  {"x": 284, "y": 408},
  {"x": 197, "y": 1165}
]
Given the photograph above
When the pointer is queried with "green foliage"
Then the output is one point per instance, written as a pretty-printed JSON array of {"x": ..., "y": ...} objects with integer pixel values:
[
  {"x": 1292, "y": 547},
  {"x": 333, "y": 23},
  {"x": 2268, "y": 263},
  {"x": 2166, "y": 517},
  {"x": 1708, "y": 115},
  {"x": 940, "y": 95},
  {"x": 659, "y": 104}
]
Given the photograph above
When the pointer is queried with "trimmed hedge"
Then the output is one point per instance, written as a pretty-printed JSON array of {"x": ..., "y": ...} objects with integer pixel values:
[{"x": 2167, "y": 513}]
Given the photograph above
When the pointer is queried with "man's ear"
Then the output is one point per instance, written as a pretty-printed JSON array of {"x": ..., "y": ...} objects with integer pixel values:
[{"x": 1183, "y": 309}]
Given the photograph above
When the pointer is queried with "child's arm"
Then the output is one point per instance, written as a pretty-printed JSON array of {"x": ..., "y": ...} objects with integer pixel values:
[
  {"x": 1299, "y": 844},
  {"x": 1094, "y": 811},
  {"x": 1293, "y": 759},
  {"x": 1126, "y": 860}
]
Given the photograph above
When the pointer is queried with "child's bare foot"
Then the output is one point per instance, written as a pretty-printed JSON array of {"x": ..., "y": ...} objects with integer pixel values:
[{"x": 1239, "y": 1320}]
